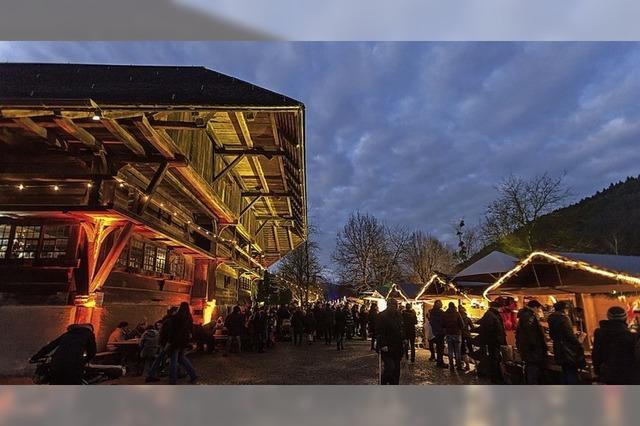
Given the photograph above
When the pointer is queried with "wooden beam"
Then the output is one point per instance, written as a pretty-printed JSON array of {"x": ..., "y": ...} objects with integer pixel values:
[
  {"x": 112, "y": 257},
  {"x": 275, "y": 236},
  {"x": 29, "y": 125},
  {"x": 255, "y": 163},
  {"x": 252, "y": 152},
  {"x": 266, "y": 194},
  {"x": 227, "y": 169},
  {"x": 77, "y": 132},
  {"x": 158, "y": 138},
  {"x": 124, "y": 136},
  {"x": 248, "y": 206},
  {"x": 152, "y": 186},
  {"x": 260, "y": 227}
]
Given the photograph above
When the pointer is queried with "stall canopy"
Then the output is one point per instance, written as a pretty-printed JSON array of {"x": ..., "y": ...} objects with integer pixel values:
[
  {"x": 437, "y": 287},
  {"x": 488, "y": 269},
  {"x": 546, "y": 273},
  {"x": 406, "y": 291}
]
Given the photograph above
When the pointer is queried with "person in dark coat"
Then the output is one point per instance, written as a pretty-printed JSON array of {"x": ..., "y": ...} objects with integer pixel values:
[
  {"x": 437, "y": 326},
  {"x": 348, "y": 313},
  {"x": 356, "y": 320},
  {"x": 73, "y": 350},
  {"x": 567, "y": 349},
  {"x": 363, "y": 319},
  {"x": 409, "y": 322},
  {"x": 371, "y": 323},
  {"x": 531, "y": 342},
  {"x": 310, "y": 325},
  {"x": 466, "y": 347},
  {"x": 491, "y": 336},
  {"x": 452, "y": 322},
  {"x": 159, "y": 362},
  {"x": 297, "y": 324},
  {"x": 259, "y": 326},
  {"x": 180, "y": 330},
  {"x": 613, "y": 349},
  {"x": 390, "y": 337},
  {"x": 234, "y": 324},
  {"x": 329, "y": 323},
  {"x": 340, "y": 325}
]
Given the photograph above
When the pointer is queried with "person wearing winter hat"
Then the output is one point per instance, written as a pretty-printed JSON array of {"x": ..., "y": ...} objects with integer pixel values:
[
  {"x": 567, "y": 349},
  {"x": 531, "y": 342},
  {"x": 613, "y": 349}
]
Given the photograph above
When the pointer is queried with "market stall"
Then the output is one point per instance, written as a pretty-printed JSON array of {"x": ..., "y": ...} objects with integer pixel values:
[{"x": 590, "y": 283}]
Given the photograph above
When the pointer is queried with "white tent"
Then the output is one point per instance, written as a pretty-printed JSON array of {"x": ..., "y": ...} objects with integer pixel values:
[{"x": 488, "y": 269}]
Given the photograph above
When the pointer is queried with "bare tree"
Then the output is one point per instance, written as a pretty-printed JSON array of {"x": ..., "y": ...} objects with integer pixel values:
[
  {"x": 358, "y": 249},
  {"x": 520, "y": 203},
  {"x": 424, "y": 255},
  {"x": 387, "y": 264},
  {"x": 301, "y": 271}
]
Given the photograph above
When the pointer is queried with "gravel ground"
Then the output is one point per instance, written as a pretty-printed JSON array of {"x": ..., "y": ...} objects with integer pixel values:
[{"x": 317, "y": 364}]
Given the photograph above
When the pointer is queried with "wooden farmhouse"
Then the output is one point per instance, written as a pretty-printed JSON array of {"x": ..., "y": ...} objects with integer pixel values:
[{"x": 128, "y": 189}]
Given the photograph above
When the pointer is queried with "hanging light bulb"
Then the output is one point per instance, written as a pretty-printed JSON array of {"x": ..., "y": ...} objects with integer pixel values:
[
  {"x": 21, "y": 187},
  {"x": 121, "y": 184},
  {"x": 56, "y": 188},
  {"x": 96, "y": 115},
  {"x": 89, "y": 185}
]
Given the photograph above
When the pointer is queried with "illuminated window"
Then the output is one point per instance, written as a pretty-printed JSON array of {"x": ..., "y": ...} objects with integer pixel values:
[
  {"x": 161, "y": 259},
  {"x": 5, "y": 231},
  {"x": 25, "y": 242},
  {"x": 135, "y": 253},
  {"x": 149, "y": 257},
  {"x": 55, "y": 240},
  {"x": 176, "y": 265},
  {"x": 123, "y": 260}
]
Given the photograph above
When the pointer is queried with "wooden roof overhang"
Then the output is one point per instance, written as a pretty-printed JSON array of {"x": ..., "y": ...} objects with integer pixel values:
[
  {"x": 438, "y": 287},
  {"x": 550, "y": 273},
  {"x": 261, "y": 147}
]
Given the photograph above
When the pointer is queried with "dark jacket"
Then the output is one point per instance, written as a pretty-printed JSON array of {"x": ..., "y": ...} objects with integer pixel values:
[
  {"x": 437, "y": 321},
  {"x": 530, "y": 339},
  {"x": 260, "y": 323},
  {"x": 180, "y": 331},
  {"x": 613, "y": 353},
  {"x": 372, "y": 318},
  {"x": 389, "y": 331},
  {"x": 409, "y": 321},
  {"x": 73, "y": 350},
  {"x": 491, "y": 329},
  {"x": 349, "y": 317},
  {"x": 452, "y": 322},
  {"x": 234, "y": 324},
  {"x": 567, "y": 349},
  {"x": 309, "y": 322},
  {"x": 340, "y": 321},
  {"x": 297, "y": 321},
  {"x": 467, "y": 326}
]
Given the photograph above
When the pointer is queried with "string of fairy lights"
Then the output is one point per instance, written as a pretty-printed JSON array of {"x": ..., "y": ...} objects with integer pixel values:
[{"x": 121, "y": 183}]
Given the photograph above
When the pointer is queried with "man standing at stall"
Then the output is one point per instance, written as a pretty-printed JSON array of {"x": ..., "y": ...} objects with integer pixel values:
[
  {"x": 492, "y": 336},
  {"x": 567, "y": 349},
  {"x": 409, "y": 321},
  {"x": 390, "y": 342},
  {"x": 530, "y": 342}
]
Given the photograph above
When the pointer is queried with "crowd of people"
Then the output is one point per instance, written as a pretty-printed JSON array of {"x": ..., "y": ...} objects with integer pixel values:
[{"x": 162, "y": 348}]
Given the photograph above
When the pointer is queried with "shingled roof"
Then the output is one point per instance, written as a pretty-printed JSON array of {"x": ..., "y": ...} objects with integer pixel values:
[{"x": 133, "y": 84}]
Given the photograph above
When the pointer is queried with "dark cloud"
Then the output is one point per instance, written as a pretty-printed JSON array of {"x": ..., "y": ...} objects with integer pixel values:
[{"x": 419, "y": 133}]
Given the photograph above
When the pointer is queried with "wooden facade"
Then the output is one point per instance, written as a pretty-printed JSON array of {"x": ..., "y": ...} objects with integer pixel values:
[{"x": 144, "y": 186}]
